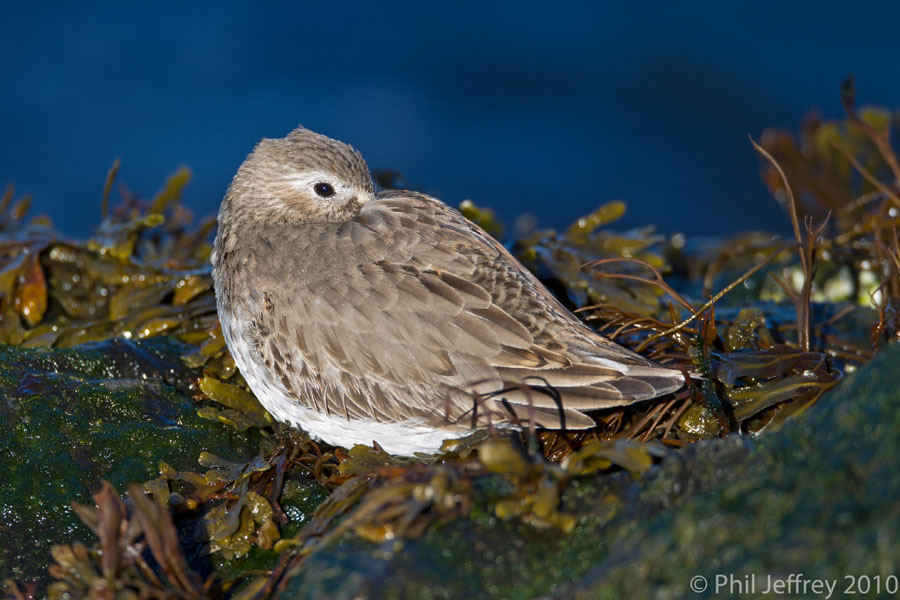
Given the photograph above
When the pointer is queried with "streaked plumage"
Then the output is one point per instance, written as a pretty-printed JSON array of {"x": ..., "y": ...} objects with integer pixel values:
[{"x": 362, "y": 316}]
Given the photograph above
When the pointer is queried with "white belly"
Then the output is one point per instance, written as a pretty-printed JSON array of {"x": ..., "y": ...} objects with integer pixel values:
[{"x": 400, "y": 438}]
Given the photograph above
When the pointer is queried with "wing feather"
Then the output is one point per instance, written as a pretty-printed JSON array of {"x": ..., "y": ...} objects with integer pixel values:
[{"x": 421, "y": 304}]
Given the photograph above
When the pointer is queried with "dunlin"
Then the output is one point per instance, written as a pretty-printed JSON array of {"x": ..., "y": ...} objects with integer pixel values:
[{"x": 390, "y": 317}]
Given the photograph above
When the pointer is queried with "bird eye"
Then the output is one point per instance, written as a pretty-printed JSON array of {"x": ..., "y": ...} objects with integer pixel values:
[{"x": 324, "y": 189}]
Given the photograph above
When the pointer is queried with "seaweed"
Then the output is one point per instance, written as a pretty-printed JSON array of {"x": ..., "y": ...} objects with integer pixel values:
[{"x": 116, "y": 568}]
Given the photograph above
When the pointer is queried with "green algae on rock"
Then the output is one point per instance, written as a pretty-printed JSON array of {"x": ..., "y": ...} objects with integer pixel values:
[
  {"x": 111, "y": 410},
  {"x": 820, "y": 497}
]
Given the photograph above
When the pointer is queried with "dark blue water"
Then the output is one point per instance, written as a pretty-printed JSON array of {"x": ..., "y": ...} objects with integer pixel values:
[{"x": 523, "y": 106}]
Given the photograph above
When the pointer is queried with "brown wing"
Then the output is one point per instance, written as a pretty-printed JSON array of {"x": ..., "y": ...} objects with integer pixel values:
[{"x": 418, "y": 298}]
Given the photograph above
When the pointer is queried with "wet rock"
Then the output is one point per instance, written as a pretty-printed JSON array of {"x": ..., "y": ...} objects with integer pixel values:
[{"x": 68, "y": 418}]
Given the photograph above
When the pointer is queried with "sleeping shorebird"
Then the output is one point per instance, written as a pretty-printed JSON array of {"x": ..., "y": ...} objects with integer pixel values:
[{"x": 390, "y": 317}]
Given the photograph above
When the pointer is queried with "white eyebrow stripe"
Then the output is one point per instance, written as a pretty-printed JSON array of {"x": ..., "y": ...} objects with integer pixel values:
[{"x": 308, "y": 178}]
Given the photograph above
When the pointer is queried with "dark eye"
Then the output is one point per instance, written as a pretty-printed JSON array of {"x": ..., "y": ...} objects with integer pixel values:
[{"x": 324, "y": 189}]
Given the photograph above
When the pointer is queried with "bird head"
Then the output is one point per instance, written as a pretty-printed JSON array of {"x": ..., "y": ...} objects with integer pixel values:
[{"x": 305, "y": 177}]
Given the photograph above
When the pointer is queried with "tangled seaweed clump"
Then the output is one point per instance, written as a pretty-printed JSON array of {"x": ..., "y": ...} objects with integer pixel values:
[{"x": 765, "y": 324}]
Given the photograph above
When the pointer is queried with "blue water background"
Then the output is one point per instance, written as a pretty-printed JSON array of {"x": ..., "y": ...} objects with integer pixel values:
[{"x": 545, "y": 108}]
